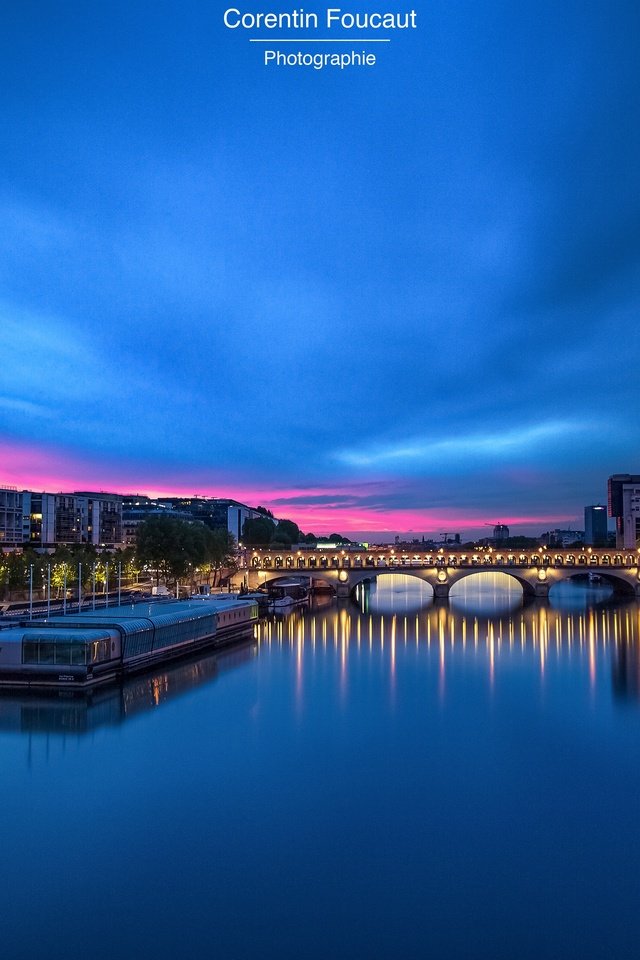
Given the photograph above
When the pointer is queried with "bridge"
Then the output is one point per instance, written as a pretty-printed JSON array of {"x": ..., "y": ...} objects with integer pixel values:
[{"x": 535, "y": 570}]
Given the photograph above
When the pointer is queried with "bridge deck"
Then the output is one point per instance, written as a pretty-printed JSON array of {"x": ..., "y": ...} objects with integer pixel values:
[{"x": 494, "y": 560}]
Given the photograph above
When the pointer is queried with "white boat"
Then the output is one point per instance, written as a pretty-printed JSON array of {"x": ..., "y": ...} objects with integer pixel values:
[{"x": 286, "y": 594}]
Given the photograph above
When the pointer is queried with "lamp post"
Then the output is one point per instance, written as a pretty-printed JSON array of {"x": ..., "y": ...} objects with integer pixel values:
[{"x": 30, "y": 591}]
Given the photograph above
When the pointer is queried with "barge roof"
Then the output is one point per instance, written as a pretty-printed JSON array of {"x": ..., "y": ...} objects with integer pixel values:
[
  {"x": 128, "y": 618},
  {"x": 153, "y": 609},
  {"x": 35, "y": 632}
]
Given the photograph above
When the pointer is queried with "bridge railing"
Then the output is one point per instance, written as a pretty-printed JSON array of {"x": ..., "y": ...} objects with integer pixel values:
[{"x": 297, "y": 561}]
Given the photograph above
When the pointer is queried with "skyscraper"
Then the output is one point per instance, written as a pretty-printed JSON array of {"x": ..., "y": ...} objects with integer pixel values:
[{"x": 595, "y": 526}]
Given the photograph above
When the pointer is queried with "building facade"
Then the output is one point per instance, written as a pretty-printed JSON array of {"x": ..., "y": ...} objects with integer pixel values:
[
  {"x": 624, "y": 507},
  {"x": 10, "y": 517},
  {"x": 103, "y": 524},
  {"x": 49, "y": 519},
  {"x": 562, "y": 538},
  {"x": 38, "y": 518},
  {"x": 44, "y": 520}
]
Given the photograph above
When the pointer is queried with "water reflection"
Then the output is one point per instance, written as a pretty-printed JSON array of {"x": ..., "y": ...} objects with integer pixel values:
[
  {"x": 393, "y": 593},
  {"x": 579, "y": 592},
  {"x": 625, "y": 671},
  {"x": 65, "y": 713},
  {"x": 486, "y": 593},
  {"x": 599, "y": 639}
]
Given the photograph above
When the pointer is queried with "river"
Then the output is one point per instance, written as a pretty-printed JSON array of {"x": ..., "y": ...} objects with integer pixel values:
[{"x": 364, "y": 780}]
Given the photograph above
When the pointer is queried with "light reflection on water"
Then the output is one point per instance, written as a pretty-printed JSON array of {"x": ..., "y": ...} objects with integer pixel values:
[
  {"x": 395, "y": 592},
  {"x": 603, "y": 637},
  {"x": 487, "y": 593},
  {"x": 600, "y": 637},
  {"x": 478, "y": 772}
]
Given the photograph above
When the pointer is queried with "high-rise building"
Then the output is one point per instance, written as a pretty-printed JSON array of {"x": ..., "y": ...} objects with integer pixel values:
[
  {"x": 595, "y": 526},
  {"x": 624, "y": 505}
]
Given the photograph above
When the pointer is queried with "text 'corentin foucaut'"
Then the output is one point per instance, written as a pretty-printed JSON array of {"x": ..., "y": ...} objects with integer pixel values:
[{"x": 280, "y": 53}]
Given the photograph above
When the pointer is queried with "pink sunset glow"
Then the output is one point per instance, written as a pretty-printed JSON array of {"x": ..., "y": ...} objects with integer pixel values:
[{"x": 42, "y": 468}]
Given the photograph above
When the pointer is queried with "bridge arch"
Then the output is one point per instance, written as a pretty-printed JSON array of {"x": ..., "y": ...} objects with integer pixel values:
[
  {"x": 359, "y": 576},
  {"x": 527, "y": 587},
  {"x": 305, "y": 577},
  {"x": 392, "y": 591},
  {"x": 622, "y": 585}
]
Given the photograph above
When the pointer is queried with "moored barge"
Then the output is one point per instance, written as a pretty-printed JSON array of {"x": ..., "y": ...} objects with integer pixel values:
[{"x": 100, "y": 646}]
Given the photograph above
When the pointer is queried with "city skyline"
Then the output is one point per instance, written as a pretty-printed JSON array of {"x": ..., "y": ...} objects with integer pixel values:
[
  {"x": 395, "y": 302},
  {"x": 323, "y": 518}
]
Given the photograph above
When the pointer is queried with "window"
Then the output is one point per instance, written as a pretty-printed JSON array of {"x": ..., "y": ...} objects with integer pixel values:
[{"x": 60, "y": 651}]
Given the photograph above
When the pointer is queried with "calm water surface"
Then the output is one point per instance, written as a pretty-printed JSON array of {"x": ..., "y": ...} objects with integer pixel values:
[{"x": 382, "y": 780}]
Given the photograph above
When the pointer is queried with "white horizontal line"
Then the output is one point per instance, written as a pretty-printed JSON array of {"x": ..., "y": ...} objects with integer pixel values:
[{"x": 352, "y": 42}]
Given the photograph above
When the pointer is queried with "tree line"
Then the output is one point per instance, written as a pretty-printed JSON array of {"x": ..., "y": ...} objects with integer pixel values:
[
  {"x": 62, "y": 567},
  {"x": 168, "y": 549},
  {"x": 265, "y": 531}
]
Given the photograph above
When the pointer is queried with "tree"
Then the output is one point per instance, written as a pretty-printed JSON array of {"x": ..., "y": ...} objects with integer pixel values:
[
  {"x": 63, "y": 575},
  {"x": 520, "y": 543},
  {"x": 286, "y": 533},
  {"x": 220, "y": 553},
  {"x": 14, "y": 575},
  {"x": 169, "y": 546},
  {"x": 258, "y": 532},
  {"x": 131, "y": 566}
]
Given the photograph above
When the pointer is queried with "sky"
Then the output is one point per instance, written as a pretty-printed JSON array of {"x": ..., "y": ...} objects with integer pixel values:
[{"x": 396, "y": 299}]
